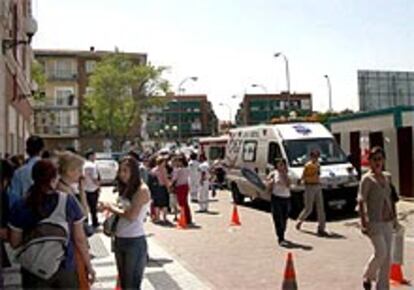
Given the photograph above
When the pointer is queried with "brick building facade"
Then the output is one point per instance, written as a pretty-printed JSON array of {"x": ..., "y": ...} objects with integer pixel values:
[
  {"x": 57, "y": 118},
  {"x": 17, "y": 27}
]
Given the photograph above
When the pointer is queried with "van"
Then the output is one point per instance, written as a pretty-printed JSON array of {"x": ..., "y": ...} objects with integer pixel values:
[
  {"x": 213, "y": 148},
  {"x": 256, "y": 147}
]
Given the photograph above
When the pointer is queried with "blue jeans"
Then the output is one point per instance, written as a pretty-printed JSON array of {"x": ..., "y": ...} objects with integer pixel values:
[
  {"x": 280, "y": 212},
  {"x": 131, "y": 258}
]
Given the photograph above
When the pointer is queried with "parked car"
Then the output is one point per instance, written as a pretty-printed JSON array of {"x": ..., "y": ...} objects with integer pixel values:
[{"x": 107, "y": 167}]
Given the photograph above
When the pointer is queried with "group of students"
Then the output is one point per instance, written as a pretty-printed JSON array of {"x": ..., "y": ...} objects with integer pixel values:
[
  {"x": 174, "y": 179},
  {"x": 377, "y": 199}
]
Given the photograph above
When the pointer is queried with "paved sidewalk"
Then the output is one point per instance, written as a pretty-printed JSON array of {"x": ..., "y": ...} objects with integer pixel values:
[{"x": 162, "y": 272}]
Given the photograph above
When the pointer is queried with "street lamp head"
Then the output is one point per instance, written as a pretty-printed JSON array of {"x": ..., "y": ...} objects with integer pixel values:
[
  {"x": 254, "y": 85},
  {"x": 277, "y": 54},
  {"x": 326, "y": 76},
  {"x": 194, "y": 79}
]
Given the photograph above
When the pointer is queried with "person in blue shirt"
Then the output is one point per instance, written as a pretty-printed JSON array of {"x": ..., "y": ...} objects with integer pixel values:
[
  {"x": 40, "y": 202},
  {"x": 22, "y": 179}
]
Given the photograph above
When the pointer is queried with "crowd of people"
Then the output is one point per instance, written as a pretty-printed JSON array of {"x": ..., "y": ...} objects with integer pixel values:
[
  {"x": 50, "y": 204},
  {"x": 53, "y": 197}
]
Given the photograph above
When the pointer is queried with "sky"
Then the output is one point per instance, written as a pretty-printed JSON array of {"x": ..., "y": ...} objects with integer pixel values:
[{"x": 230, "y": 44}]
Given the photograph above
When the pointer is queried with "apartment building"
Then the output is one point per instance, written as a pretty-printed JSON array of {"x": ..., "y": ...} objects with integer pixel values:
[
  {"x": 181, "y": 117},
  {"x": 17, "y": 27},
  {"x": 57, "y": 118},
  {"x": 261, "y": 108}
]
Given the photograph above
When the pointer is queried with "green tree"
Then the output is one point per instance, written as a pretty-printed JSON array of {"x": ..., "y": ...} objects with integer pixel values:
[
  {"x": 120, "y": 91},
  {"x": 38, "y": 75}
]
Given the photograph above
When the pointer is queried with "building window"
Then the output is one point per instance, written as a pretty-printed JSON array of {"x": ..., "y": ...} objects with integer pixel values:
[
  {"x": 90, "y": 66},
  {"x": 63, "y": 69},
  {"x": 65, "y": 96}
]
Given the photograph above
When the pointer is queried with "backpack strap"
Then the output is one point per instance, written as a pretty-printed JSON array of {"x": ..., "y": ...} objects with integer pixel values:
[{"x": 58, "y": 216}]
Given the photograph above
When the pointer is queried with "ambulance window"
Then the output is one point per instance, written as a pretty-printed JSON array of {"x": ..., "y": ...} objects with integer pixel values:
[
  {"x": 249, "y": 151},
  {"x": 274, "y": 152}
]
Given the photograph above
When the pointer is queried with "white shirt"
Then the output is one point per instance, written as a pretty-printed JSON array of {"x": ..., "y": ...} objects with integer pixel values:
[
  {"x": 279, "y": 190},
  {"x": 194, "y": 173},
  {"x": 90, "y": 171},
  {"x": 132, "y": 229}
]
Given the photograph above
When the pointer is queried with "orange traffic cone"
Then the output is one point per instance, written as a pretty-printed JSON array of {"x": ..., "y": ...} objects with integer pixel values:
[
  {"x": 235, "y": 220},
  {"x": 396, "y": 275},
  {"x": 289, "y": 279},
  {"x": 182, "y": 221}
]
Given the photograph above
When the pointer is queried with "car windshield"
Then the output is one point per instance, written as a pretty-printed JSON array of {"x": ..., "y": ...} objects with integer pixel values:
[{"x": 298, "y": 151}]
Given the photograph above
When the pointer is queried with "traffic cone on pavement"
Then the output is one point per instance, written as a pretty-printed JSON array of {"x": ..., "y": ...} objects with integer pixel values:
[
  {"x": 396, "y": 275},
  {"x": 289, "y": 279},
  {"x": 235, "y": 220},
  {"x": 182, "y": 221}
]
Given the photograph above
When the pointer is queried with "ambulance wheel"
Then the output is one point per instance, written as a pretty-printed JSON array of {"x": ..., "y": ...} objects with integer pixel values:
[{"x": 238, "y": 198}]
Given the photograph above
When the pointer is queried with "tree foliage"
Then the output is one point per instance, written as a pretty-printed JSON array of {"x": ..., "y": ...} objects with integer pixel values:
[
  {"x": 38, "y": 76},
  {"x": 120, "y": 91}
]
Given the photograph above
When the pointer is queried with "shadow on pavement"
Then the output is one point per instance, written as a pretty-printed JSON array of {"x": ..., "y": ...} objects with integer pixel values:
[
  {"x": 294, "y": 245},
  {"x": 158, "y": 263},
  {"x": 207, "y": 212},
  {"x": 328, "y": 235}
]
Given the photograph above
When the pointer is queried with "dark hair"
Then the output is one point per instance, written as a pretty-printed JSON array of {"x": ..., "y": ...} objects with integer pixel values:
[
  {"x": 134, "y": 155},
  {"x": 6, "y": 173},
  {"x": 34, "y": 145},
  {"x": 89, "y": 153},
  {"x": 193, "y": 156},
  {"x": 181, "y": 158},
  {"x": 46, "y": 154},
  {"x": 129, "y": 189},
  {"x": 43, "y": 172},
  {"x": 374, "y": 151},
  {"x": 277, "y": 160}
]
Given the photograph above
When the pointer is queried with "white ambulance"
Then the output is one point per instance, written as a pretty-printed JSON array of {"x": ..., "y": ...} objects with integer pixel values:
[
  {"x": 213, "y": 148},
  {"x": 256, "y": 147}
]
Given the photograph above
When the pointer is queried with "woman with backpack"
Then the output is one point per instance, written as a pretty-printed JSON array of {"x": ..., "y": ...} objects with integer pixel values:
[
  {"x": 130, "y": 245},
  {"x": 46, "y": 206}
]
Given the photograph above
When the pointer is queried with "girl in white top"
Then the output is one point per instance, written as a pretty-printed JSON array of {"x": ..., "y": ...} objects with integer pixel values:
[
  {"x": 278, "y": 186},
  {"x": 130, "y": 243}
]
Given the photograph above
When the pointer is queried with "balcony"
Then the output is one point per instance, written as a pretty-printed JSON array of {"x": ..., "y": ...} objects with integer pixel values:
[
  {"x": 62, "y": 75},
  {"x": 58, "y": 123},
  {"x": 70, "y": 102}
]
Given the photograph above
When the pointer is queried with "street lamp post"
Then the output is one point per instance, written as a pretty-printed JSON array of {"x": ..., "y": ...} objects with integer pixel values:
[
  {"x": 267, "y": 98},
  {"x": 328, "y": 81},
  {"x": 180, "y": 90},
  {"x": 276, "y": 55},
  {"x": 228, "y": 107}
]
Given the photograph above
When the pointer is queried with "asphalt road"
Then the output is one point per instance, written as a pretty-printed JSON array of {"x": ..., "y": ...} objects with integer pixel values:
[{"x": 248, "y": 257}]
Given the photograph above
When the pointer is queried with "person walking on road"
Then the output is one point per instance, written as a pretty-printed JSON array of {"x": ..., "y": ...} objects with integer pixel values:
[
  {"x": 378, "y": 217},
  {"x": 278, "y": 185},
  {"x": 313, "y": 193},
  {"x": 194, "y": 179},
  {"x": 130, "y": 243},
  {"x": 91, "y": 185}
]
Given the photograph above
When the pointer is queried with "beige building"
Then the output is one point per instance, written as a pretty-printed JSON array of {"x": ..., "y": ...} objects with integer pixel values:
[
  {"x": 57, "y": 118},
  {"x": 17, "y": 27}
]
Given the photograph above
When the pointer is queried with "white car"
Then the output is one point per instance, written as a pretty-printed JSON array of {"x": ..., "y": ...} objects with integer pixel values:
[{"x": 107, "y": 167}]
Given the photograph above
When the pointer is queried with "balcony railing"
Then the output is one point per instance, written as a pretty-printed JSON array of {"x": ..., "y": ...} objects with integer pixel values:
[
  {"x": 57, "y": 75},
  {"x": 54, "y": 122},
  {"x": 51, "y": 103}
]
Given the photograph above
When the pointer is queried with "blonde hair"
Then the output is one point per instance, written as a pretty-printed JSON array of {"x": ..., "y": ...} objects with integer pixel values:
[{"x": 68, "y": 161}]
